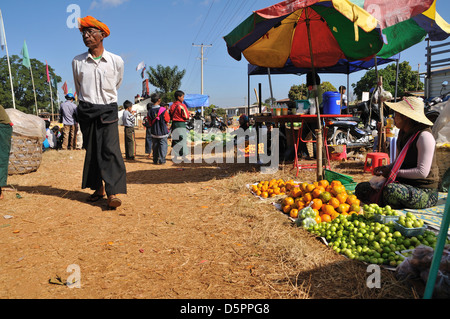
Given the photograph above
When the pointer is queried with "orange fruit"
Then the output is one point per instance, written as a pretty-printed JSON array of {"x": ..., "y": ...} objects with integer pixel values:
[
  {"x": 300, "y": 205},
  {"x": 293, "y": 213},
  {"x": 324, "y": 183},
  {"x": 316, "y": 211},
  {"x": 325, "y": 196},
  {"x": 264, "y": 188},
  {"x": 334, "y": 215},
  {"x": 286, "y": 209},
  {"x": 318, "y": 219},
  {"x": 343, "y": 208},
  {"x": 303, "y": 186},
  {"x": 310, "y": 188},
  {"x": 342, "y": 197},
  {"x": 338, "y": 189},
  {"x": 264, "y": 194},
  {"x": 325, "y": 218},
  {"x": 334, "y": 202},
  {"x": 344, "y": 214},
  {"x": 335, "y": 183},
  {"x": 355, "y": 207},
  {"x": 351, "y": 199},
  {"x": 317, "y": 203},
  {"x": 258, "y": 193},
  {"x": 288, "y": 201},
  {"x": 329, "y": 210},
  {"x": 276, "y": 191},
  {"x": 307, "y": 197},
  {"x": 296, "y": 192},
  {"x": 317, "y": 191},
  {"x": 283, "y": 189}
]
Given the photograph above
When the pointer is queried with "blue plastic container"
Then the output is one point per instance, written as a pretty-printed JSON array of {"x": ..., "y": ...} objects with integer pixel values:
[{"x": 331, "y": 103}]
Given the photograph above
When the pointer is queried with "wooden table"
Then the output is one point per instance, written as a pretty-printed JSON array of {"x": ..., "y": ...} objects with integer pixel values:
[{"x": 303, "y": 118}]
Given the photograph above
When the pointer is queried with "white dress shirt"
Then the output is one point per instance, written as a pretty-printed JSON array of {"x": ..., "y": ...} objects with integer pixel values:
[{"x": 97, "y": 81}]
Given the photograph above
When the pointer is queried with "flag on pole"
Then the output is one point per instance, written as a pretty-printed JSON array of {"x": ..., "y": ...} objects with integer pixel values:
[
  {"x": 55, "y": 83},
  {"x": 2, "y": 33},
  {"x": 48, "y": 75},
  {"x": 26, "y": 58},
  {"x": 64, "y": 87},
  {"x": 142, "y": 73},
  {"x": 140, "y": 66}
]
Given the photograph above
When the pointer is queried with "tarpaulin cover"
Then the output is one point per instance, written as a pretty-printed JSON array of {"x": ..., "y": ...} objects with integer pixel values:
[
  {"x": 342, "y": 67},
  {"x": 196, "y": 100}
]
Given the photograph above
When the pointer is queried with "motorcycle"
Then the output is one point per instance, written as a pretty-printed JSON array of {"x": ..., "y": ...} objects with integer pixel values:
[
  {"x": 430, "y": 104},
  {"x": 219, "y": 124},
  {"x": 347, "y": 131},
  {"x": 195, "y": 122}
]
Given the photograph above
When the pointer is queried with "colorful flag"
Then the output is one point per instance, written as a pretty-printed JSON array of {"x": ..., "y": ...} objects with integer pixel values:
[
  {"x": 142, "y": 73},
  {"x": 64, "y": 87},
  {"x": 140, "y": 66},
  {"x": 2, "y": 33},
  {"x": 26, "y": 58},
  {"x": 48, "y": 75},
  {"x": 55, "y": 83}
]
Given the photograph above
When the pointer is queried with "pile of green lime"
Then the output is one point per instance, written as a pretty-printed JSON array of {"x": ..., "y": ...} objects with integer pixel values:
[{"x": 361, "y": 238}]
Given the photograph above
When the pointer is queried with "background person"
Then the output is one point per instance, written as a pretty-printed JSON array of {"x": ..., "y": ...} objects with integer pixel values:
[
  {"x": 160, "y": 118},
  {"x": 98, "y": 75},
  {"x": 179, "y": 115},
  {"x": 68, "y": 113},
  {"x": 129, "y": 121}
]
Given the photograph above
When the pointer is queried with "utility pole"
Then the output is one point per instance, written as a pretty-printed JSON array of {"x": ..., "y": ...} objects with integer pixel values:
[{"x": 202, "y": 59}]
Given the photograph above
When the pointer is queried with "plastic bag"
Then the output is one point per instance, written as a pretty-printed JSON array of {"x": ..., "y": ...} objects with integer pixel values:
[{"x": 27, "y": 124}]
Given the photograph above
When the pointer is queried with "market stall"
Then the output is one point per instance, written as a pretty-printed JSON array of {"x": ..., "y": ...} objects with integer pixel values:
[{"x": 297, "y": 138}]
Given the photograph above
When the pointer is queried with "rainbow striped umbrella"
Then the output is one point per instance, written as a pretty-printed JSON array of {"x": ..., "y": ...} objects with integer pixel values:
[
  {"x": 339, "y": 30},
  {"x": 404, "y": 34}
]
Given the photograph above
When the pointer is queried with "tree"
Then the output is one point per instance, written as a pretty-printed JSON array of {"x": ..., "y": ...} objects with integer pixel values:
[
  {"x": 408, "y": 80},
  {"x": 300, "y": 92},
  {"x": 23, "y": 88},
  {"x": 166, "y": 79}
]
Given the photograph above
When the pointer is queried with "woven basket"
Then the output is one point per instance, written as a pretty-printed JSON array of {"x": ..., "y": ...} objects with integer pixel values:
[
  {"x": 25, "y": 156},
  {"x": 443, "y": 160}
]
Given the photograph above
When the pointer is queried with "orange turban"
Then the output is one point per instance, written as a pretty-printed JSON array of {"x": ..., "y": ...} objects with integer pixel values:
[{"x": 90, "y": 22}]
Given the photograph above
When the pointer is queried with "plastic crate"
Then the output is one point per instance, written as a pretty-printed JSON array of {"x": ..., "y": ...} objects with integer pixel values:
[
  {"x": 410, "y": 232},
  {"x": 335, "y": 176},
  {"x": 350, "y": 186},
  {"x": 384, "y": 219}
]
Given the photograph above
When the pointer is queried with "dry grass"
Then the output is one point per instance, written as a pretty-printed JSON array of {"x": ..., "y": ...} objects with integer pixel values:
[{"x": 184, "y": 232}]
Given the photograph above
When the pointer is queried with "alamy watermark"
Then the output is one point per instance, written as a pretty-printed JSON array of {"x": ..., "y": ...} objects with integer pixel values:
[{"x": 75, "y": 13}]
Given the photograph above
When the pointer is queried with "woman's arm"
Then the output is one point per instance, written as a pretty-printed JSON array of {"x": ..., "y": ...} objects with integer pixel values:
[{"x": 426, "y": 146}]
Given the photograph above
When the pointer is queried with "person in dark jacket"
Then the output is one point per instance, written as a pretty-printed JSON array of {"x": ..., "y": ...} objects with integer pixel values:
[{"x": 159, "y": 119}]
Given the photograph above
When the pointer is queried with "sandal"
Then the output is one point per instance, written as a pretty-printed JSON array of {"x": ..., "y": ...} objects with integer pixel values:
[
  {"x": 95, "y": 197},
  {"x": 114, "y": 202}
]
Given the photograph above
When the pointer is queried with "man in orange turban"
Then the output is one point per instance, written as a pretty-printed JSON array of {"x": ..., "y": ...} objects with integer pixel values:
[
  {"x": 98, "y": 75},
  {"x": 90, "y": 22}
]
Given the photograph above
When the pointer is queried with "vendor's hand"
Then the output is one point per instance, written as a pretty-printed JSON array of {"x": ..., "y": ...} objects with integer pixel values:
[{"x": 382, "y": 171}]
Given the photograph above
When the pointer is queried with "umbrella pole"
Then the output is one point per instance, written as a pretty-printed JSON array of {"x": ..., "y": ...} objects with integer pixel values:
[{"x": 319, "y": 140}]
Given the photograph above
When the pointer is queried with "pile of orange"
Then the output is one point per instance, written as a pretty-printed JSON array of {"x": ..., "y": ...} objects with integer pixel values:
[
  {"x": 327, "y": 199},
  {"x": 272, "y": 188}
]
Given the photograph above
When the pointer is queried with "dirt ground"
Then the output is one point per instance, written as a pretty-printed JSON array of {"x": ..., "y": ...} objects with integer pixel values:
[{"x": 184, "y": 231}]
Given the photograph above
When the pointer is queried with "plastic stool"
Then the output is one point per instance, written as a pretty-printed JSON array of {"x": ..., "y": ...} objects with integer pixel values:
[{"x": 374, "y": 160}]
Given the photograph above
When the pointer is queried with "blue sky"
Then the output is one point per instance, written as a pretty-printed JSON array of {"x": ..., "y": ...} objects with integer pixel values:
[{"x": 161, "y": 32}]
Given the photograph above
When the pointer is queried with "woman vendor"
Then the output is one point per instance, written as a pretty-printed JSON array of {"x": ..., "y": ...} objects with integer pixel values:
[
  {"x": 411, "y": 181},
  {"x": 5, "y": 147}
]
